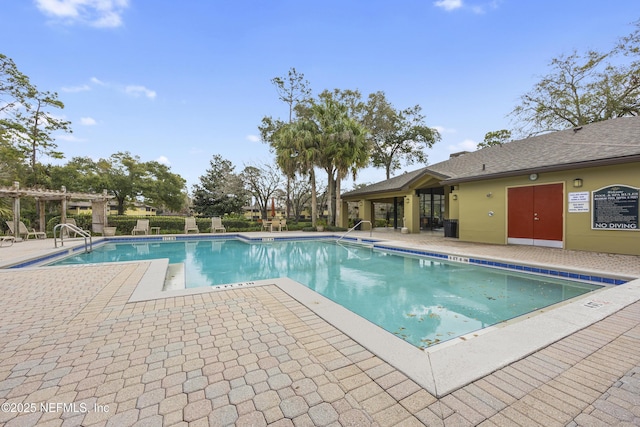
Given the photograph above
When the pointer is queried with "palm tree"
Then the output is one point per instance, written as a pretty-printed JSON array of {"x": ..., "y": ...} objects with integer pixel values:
[
  {"x": 352, "y": 154},
  {"x": 297, "y": 150},
  {"x": 342, "y": 144}
]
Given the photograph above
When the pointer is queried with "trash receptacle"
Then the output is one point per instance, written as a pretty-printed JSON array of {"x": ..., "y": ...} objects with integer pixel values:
[
  {"x": 358, "y": 224},
  {"x": 450, "y": 228}
]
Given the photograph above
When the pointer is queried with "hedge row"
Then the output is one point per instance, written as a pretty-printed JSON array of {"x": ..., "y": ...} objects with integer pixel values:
[{"x": 168, "y": 224}]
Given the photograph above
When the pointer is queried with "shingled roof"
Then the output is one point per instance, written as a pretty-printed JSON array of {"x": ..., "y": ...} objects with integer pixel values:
[{"x": 607, "y": 142}]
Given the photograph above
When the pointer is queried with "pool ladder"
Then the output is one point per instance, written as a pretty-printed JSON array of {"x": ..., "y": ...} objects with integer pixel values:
[
  {"x": 88, "y": 246},
  {"x": 354, "y": 227}
]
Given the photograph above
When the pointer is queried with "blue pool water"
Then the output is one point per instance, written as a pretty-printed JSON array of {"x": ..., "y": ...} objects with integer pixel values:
[{"x": 421, "y": 300}]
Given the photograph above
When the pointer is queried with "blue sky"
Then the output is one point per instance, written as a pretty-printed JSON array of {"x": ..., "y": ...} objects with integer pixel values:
[{"x": 181, "y": 81}]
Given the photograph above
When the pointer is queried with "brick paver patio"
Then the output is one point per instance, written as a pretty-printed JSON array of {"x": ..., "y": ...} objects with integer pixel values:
[{"x": 74, "y": 352}]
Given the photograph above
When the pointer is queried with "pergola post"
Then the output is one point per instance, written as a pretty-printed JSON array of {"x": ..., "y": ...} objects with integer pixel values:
[
  {"x": 41, "y": 217},
  {"x": 63, "y": 207},
  {"x": 98, "y": 215},
  {"x": 16, "y": 217},
  {"x": 16, "y": 211}
]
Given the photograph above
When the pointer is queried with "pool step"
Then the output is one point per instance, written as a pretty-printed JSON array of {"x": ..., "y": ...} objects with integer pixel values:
[{"x": 175, "y": 278}]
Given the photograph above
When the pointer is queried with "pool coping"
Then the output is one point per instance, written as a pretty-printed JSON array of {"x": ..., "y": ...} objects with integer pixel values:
[
  {"x": 446, "y": 367},
  {"x": 440, "y": 369}
]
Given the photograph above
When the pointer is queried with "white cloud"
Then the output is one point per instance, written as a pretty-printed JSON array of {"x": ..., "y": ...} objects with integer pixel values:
[
  {"x": 81, "y": 88},
  {"x": 140, "y": 90},
  {"x": 164, "y": 160},
  {"x": 442, "y": 130},
  {"x": 449, "y": 4},
  {"x": 466, "y": 145},
  {"x": 253, "y": 138},
  {"x": 88, "y": 121},
  {"x": 133, "y": 90},
  {"x": 69, "y": 138},
  {"x": 479, "y": 9},
  {"x": 96, "y": 13}
]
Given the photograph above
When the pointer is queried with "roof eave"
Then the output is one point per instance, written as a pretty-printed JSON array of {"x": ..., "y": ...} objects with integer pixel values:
[
  {"x": 400, "y": 188},
  {"x": 542, "y": 169}
]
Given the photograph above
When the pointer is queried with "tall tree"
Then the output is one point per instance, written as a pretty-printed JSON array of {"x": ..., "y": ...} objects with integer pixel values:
[
  {"x": 124, "y": 176},
  {"x": 220, "y": 190},
  {"x": 342, "y": 143},
  {"x": 296, "y": 147},
  {"x": 39, "y": 125},
  {"x": 162, "y": 188},
  {"x": 396, "y": 135},
  {"x": 26, "y": 121},
  {"x": 300, "y": 197},
  {"x": 120, "y": 174},
  {"x": 583, "y": 88},
  {"x": 293, "y": 90},
  {"x": 15, "y": 88},
  {"x": 262, "y": 181},
  {"x": 497, "y": 137},
  {"x": 80, "y": 174}
]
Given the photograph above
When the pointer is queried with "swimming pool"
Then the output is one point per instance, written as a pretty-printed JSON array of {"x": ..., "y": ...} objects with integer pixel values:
[{"x": 421, "y": 300}]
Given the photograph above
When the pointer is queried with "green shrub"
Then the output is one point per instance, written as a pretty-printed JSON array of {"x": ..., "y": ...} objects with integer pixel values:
[
  {"x": 175, "y": 224},
  {"x": 82, "y": 221}
]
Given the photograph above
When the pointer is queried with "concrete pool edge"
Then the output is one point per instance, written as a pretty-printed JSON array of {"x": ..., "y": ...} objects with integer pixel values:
[{"x": 444, "y": 368}]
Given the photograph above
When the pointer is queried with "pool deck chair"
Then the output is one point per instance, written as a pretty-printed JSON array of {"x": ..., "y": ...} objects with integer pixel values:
[
  {"x": 216, "y": 225},
  {"x": 6, "y": 239},
  {"x": 66, "y": 231},
  {"x": 190, "y": 225},
  {"x": 142, "y": 226},
  {"x": 25, "y": 232},
  {"x": 282, "y": 225}
]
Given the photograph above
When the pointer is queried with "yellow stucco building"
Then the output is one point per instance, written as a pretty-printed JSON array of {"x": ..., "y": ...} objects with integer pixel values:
[{"x": 573, "y": 189}]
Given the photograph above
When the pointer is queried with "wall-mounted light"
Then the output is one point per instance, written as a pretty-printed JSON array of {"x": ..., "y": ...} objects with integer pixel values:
[
  {"x": 577, "y": 182},
  {"x": 455, "y": 197},
  {"x": 489, "y": 194}
]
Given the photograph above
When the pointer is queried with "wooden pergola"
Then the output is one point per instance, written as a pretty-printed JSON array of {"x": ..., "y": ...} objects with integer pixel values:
[{"x": 98, "y": 205}]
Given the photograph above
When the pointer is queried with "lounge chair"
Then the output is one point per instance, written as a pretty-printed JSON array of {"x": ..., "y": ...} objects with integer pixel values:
[
  {"x": 142, "y": 226},
  {"x": 68, "y": 232},
  {"x": 190, "y": 225},
  {"x": 26, "y": 232},
  {"x": 5, "y": 239},
  {"x": 266, "y": 225},
  {"x": 282, "y": 224},
  {"x": 216, "y": 225}
]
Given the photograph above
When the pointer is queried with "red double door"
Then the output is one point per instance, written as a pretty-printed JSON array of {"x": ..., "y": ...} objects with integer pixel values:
[{"x": 535, "y": 215}]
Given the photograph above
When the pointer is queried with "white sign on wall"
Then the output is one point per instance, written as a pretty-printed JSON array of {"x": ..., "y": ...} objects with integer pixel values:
[{"x": 579, "y": 201}]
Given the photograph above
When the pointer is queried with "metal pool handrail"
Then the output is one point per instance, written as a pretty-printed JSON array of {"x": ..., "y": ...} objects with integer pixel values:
[
  {"x": 354, "y": 227},
  {"x": 88, "y": 247}
]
